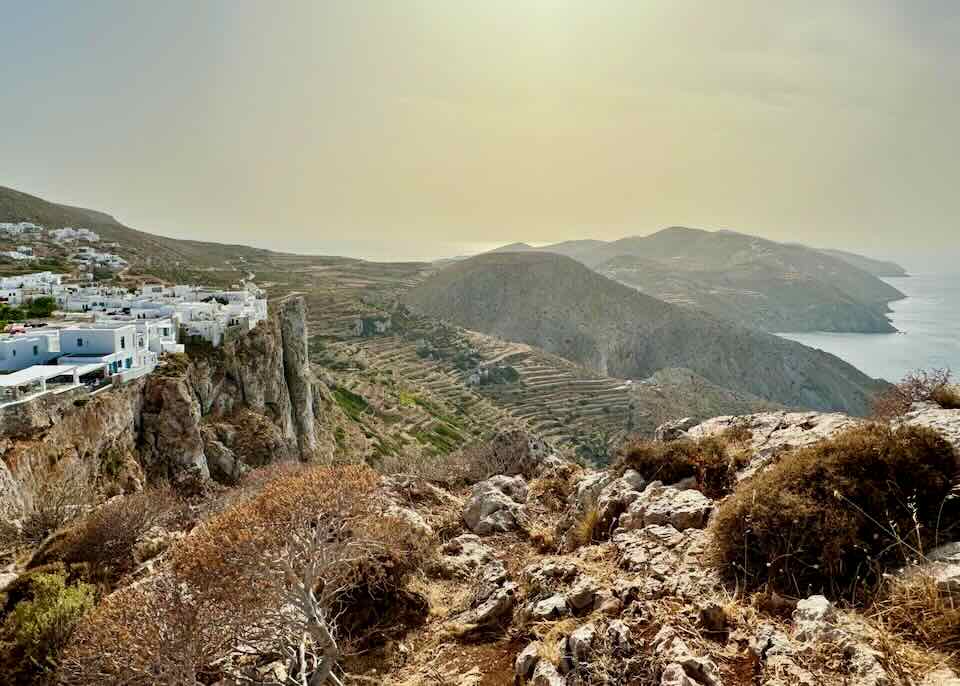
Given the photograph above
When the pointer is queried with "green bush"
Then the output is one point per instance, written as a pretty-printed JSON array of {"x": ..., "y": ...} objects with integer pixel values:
[
  {"x": 37, "y": 629},
  {"x": 831, "y": 517}
]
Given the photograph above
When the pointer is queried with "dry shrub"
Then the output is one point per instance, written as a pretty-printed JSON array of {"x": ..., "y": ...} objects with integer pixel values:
[
  {"x": 712, "y": 461},
  {"x": 947, "y": 397},
  {"x": 933, "y": 385},
  {"x": 505, "y": 454},
  {"x": 152, "y": 633},
  {"x": 913, "y": 605},
  {"x": 829, "y": 517},
  {"x": 59, "y": 496},
  {"x": 306, "y": 570},
  {"x": 105, "y": 537}
]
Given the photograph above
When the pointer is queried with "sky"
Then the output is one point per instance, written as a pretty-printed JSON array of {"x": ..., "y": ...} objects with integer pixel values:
[{"x": 410, "y": 128}]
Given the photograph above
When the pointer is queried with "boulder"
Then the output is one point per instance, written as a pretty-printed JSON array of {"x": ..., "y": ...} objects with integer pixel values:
[
  {"x": 662, "y": 505},
  {"x": 527, "y": 660},
  {"x": 814, "y": 618},
  {"x": 618, "y": 635},
  {"x": 673, "y": 430},
  {"x": 544, "y": 576},
  {"x": 462, "y": 556},
  {"x": 775, "y": 432},
  {"x": 582, "y": 593},
  {"x": 932, "y": 416},
  {"x": 580, "y": 643},
  {"x": 545, "y": 674},
  {"x": 613, "y": 500},
  {"x": 553, "y": 607},
  {"x": 496, "y": 505}
]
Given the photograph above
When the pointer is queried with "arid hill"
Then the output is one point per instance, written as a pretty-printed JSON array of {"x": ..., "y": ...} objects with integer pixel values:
[
  {"x": 554, "y": 303},
  {"x": 753, "y": 281}
]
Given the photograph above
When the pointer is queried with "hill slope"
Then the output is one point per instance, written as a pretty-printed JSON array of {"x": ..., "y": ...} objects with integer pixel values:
[
  {"x": 554, "y": 303},
  {"x": 868, "y": 264},
  {"x": 755, "y": 282}
]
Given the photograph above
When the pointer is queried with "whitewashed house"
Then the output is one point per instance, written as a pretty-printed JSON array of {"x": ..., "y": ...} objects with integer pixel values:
[
  {"x": 116, "y": 344},
  {"x": 18, "y": 351}
]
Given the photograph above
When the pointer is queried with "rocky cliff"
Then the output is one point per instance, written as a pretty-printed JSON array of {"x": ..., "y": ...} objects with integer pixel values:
[{"x": 211, "y": 413}]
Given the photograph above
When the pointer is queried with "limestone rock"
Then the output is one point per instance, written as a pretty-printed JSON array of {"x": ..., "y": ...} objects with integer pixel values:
[
  {"x": 580, "y": 642},
  {"x": 7, "y": 578},
  {"x": 549, "y": 608},
  {"x": 674, "y": 675},
  {"x": 614, "y": 498},
  {"x": 665, "y": 505},
  {"x": 775, "y": 432},
  {"x": 815, "y": 617},
  {"x": 618, "y": 634},
  {"x": 582, "y": 593},
  {"x": 547, "y": 574},
  {"x": 671, "y": 431},
  {"x": 545, "y": 674},
  {"x": 464, "y": 555},
  {"x": 495, "y": 505},
  {"x": 932, "y": 416},
  {"x": 527, "y": 660}
]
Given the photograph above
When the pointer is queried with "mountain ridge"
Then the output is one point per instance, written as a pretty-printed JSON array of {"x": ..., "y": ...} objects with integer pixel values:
[
  {"x": 561, "y": 306},
  {"x": 777, "y": 287}
]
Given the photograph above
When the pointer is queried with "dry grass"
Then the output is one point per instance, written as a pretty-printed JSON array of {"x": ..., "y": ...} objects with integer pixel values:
[
  {"x": 584, "y": 527},
  {"x": 913, "y": 605}
]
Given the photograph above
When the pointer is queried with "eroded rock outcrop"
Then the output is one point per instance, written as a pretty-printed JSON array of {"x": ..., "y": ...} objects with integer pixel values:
[{"x": 216, "y": 413}]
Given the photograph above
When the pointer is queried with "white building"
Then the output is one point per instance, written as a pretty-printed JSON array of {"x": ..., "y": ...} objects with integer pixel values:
[
  {"x": 115, "y": 344},
  {"x": 18, "y": 351},
  {"x": 18, "y": 228},
  {"x": 16, "y": 255},
  {"x": 68, "y": 233},
  {"x": 37, "y": 280}
]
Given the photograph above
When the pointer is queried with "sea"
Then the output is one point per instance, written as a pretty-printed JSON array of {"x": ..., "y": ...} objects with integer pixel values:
[{"x": 928, "y": 321}]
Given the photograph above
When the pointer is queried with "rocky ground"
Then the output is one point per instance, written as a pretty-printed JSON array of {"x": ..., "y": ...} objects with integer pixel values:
[{"x": 520, "y": 593}]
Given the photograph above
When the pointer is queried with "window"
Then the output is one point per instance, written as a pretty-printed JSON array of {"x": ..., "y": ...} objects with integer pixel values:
[
  {"x": 36, "y": 350},
  {"x": 14, "y": 351},
  {"x": 79, "y": 342},
  {"x": 123, "y": 343}
]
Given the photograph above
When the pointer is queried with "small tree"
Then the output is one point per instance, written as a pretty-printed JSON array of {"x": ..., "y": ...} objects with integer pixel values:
[
  {"x": 277, "y": 573},
  {"x": 933, "y": 385},
  {"x": 58, "y": 496}
]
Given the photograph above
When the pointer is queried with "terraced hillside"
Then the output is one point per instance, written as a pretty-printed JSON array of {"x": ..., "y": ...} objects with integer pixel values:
[
  {"x": 481, "y": 382},
  {"x": 555, "y": 303}
]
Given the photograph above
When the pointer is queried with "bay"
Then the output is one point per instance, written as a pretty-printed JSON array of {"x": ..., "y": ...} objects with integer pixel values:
[{"x": 928, "y": 321}]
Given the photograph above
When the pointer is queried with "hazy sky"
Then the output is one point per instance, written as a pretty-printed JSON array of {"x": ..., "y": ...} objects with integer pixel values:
[{"x": 304, "y": 125}]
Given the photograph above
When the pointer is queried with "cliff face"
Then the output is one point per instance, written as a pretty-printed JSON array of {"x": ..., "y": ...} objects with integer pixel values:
[{"x": 250, "y": 402}]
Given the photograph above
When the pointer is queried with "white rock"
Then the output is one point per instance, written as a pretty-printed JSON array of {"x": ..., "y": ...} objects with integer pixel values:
[
  {"x": 464, "y": 555},
  {"x": 580, "y": 642},
  {"x": 674, "y": 675},
  {"x": 527, "y": 660},
  {"x": 814, "y": 617},
  {"x": 495, "y": 505},
  {"x": 582, "y": 593},
  {"x": 550, "y": 608},
  {"x": 663, "y": 505},
  {"x": 545, "y": 674}
]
